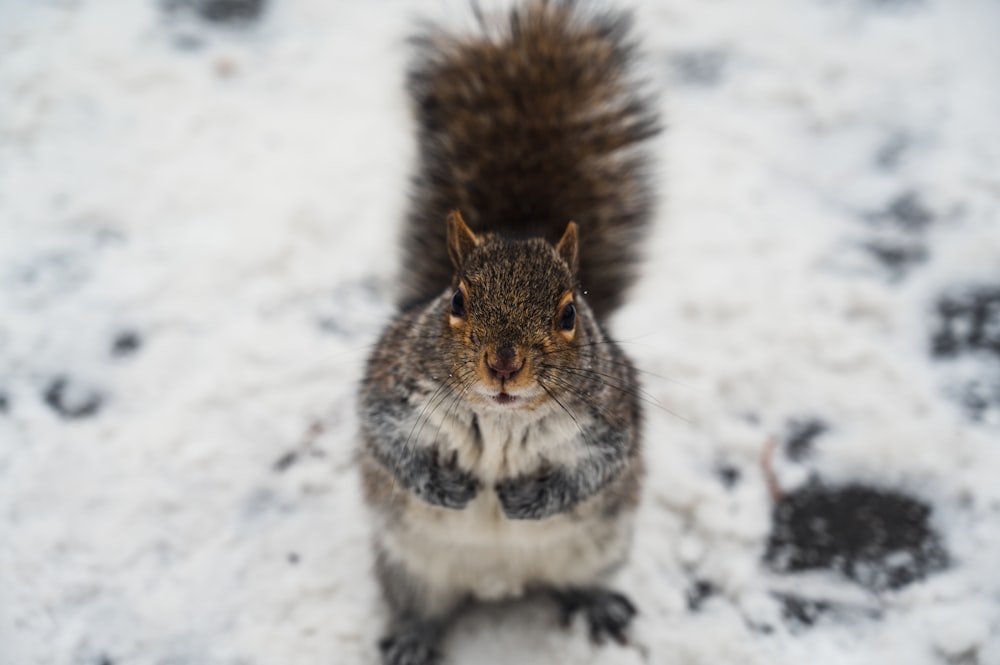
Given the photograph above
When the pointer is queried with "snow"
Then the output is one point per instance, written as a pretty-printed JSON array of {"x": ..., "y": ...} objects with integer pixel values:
[{"x": 231, "y": 196}]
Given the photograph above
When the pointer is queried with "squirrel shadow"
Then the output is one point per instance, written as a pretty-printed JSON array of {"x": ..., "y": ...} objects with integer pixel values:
[{"x": 527, "y": 631}]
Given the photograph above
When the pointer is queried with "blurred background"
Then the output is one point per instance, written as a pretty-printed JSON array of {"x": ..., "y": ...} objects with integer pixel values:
[{"x": 199, "y": 203}]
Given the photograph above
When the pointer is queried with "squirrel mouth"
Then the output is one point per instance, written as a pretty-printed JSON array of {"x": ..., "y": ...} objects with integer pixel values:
[{"x": 503, "y": 398}]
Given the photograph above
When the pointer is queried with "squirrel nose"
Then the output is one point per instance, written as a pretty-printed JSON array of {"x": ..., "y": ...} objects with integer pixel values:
[{"x": 505, "y": 364}]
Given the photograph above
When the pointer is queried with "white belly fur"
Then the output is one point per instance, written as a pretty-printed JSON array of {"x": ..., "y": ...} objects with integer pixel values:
[{"x": 477, "y": 551}]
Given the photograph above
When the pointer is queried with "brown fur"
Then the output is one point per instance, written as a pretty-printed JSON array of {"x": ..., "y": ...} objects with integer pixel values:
[{"x": 536, "y": 125}]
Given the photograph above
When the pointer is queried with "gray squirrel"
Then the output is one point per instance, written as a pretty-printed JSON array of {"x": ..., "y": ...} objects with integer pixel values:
[{"x": 500, "y": 425}]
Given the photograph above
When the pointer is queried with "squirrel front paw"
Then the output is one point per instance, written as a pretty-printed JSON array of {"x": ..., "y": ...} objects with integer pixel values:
[
  {"x": 537, "y": 496},
  {"x": 444, "y": 484}
]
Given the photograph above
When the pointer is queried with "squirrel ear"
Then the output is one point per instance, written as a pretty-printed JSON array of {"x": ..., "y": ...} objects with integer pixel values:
[
  {"x": 567, "y": 246},
  {"x": 461, "y": 239}
]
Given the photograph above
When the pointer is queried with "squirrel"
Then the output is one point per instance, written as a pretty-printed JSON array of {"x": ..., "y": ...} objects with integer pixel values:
[{"x": 500, "y": 424}]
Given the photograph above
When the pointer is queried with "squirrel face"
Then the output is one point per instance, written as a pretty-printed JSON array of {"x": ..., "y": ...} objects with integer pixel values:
[{"x": 512, "y": 318}]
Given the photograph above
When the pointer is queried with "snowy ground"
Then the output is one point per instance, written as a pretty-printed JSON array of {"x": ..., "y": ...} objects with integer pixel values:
[{"x": 197, "y": 228}]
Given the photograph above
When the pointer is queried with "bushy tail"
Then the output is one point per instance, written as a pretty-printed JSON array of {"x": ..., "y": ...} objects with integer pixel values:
[{"x": 533, "y": 122}]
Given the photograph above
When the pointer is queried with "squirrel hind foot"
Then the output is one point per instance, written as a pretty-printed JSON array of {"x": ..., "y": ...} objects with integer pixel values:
[
  {"x": 412, "y": 643},
  {"x": 608, "y": 613}
]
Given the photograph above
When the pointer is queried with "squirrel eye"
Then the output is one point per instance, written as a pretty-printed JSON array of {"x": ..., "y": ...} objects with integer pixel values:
[
  {"x": 568, "y": 318},
  {"x": 458, "y": 304}
]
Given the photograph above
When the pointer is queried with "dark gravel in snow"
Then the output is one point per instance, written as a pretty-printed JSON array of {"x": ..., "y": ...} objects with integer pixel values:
[{"x": 878, "y": 538}]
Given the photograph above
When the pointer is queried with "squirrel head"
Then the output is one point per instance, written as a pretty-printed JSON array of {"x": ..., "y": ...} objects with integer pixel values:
[{"x": 513, "y": 319}]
